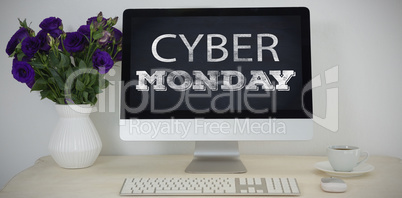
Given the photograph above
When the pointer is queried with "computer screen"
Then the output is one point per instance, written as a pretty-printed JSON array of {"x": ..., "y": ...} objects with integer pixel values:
[{"x": 216, "y": 74}]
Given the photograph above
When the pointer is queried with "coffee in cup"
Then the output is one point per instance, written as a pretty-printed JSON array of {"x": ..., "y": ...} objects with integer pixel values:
[{"x": 345, "y": 158}]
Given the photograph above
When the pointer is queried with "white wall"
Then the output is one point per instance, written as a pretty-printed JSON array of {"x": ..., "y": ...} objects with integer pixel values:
[{"x": 362, "y": 37}]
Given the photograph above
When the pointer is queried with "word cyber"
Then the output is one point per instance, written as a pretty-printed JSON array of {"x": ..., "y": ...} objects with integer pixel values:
[{"x": 180, "y": 80}]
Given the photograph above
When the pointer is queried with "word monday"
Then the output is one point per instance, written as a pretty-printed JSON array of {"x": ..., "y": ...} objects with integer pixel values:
[{"x": 259, "y": 78}]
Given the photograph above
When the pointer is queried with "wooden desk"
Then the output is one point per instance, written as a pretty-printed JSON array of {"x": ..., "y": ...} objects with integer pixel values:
[{"x": 105, "y": 177}]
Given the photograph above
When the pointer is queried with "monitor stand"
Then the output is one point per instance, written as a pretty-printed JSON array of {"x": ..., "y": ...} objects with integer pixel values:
[{"x": 216, "y": 157}]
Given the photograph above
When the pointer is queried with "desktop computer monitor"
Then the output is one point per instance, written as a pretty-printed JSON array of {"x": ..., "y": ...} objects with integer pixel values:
[{"x": 216, "y": 76}]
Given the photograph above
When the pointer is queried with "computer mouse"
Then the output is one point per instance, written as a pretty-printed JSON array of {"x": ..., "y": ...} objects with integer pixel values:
[{"x": 332, "y": 184}]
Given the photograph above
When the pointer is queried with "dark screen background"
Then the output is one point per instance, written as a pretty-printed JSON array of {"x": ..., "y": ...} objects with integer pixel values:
[{"x": 144, "y": 30}]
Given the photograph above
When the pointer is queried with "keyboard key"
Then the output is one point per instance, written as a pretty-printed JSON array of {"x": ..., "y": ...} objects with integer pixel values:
[
  {"x": 251, "y": 190},
  {"x": 242, "y": 181},
  {"x": 258, "y": 181},
  {"x": 250, "y": 181}
]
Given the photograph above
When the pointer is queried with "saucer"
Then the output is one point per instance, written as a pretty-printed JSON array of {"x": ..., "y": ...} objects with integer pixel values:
[{"x": 326, "y": 167}]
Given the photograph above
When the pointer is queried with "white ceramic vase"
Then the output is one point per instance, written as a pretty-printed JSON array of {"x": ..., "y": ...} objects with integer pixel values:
[{"x": 75, "y": 142}]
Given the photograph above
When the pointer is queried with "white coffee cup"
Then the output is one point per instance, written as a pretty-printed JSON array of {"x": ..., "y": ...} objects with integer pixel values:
[{"x": 345, "y": 158}]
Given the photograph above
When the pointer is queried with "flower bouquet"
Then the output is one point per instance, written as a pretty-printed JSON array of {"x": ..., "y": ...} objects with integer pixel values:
[{"x": 66, "y": 67}]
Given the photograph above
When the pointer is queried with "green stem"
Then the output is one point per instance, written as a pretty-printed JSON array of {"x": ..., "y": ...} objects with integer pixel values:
[
  {"x": 39, "y": 72},
  {"x": 50, "y": 85}
]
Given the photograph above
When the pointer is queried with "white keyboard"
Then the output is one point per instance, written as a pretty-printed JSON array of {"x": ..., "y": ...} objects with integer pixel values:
[{"x": 210, "y": 186}]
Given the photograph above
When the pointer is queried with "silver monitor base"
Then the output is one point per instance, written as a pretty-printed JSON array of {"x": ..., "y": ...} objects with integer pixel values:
[{"x": 216, "y": 157}]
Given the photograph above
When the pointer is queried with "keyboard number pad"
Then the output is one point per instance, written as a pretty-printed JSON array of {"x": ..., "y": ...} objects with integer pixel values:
[
  {"x": 250, "y": 185},
  {"x": 266, "y": 186}
]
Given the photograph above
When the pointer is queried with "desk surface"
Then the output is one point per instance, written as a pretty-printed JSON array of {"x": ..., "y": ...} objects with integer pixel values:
[{"x": 105, "y": 177}]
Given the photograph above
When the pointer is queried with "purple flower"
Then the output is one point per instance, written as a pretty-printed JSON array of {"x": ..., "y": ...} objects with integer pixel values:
[
  {"x": 43, "y": 39},
  {"x": 74, "y": 42},
  {"x": 102, "y": 61},
  {"x": 117, "y": 34},
  {"x": 85, "y": 30},
  {"x": 15, "y": 39},
  {"x": 31, "y": 83},
  {"x": 30, "y": 46},
  {"x": 95, "y": 20},
  {"x": 105, "y": 38},
  {"x": 23, "y": 72},
  {"x": 50, "y": 24},
  {"x": 55, "y": 33}
]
